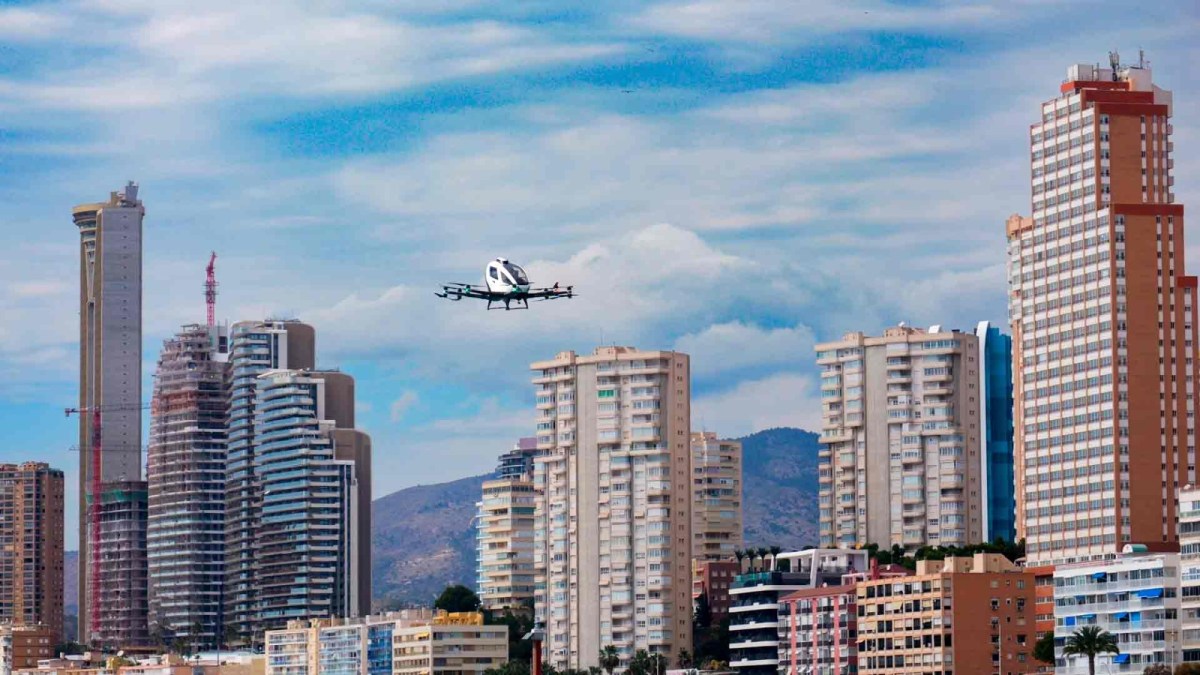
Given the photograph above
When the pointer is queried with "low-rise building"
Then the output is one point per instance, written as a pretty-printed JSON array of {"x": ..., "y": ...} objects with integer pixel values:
[
  {"x": 713, "y": 579},
  {"x": 1189, "y": 572},
  {"x": 415, "y": 642},
  {"x": 1135, "y": 597},
  {"x": 24, "y": 646},
  {"x": 1043, "y": 606},
  {"x": 960, "y": 615},
  {"x": 754, "y": 625}
]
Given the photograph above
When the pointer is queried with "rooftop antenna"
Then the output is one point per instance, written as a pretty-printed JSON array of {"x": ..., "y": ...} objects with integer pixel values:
[
  {"x": 1141, "y": 58},
  {"x": 210, "y": 288},
  {"x": 1114, "y": 59}
]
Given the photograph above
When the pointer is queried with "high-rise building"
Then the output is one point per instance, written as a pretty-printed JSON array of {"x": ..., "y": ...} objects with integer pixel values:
[
  {"x": 1134, "y": 596},
  {"x": 1104, "y": 323},
  {"x": 110, "y": 388},
  {"x": 31, "y": 547},
  {"x": 255, "y": 348},
  {"x": 312, "y": 468},
  {"x": 996, "y": 458},
  {"x": 901, "y": 457},
  {"x": 518, "y": 462},
  {"x": 613, "y": 531},
  {"x": 186, "y": 479},
  {"x": 716, "y": 497},
  {"x": 958, "y": 615},
  {"x": 504, "y": 519},
  {"x": 1189, "y": 572},
  {"x": 121, "y": 617}
]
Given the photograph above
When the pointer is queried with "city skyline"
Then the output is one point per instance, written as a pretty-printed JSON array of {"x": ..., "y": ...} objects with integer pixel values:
[{"x": 272, "y": 234}]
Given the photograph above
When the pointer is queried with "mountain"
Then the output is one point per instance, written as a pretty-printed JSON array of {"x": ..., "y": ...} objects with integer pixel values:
[
  {"x": 71, "y": 582},
  {"x": 423, "y": 537}
]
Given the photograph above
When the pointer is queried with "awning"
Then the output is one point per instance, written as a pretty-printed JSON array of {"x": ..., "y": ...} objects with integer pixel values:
[
  {"x": 1100, "y": 575},
  {"x": 1121, "y": 615},
  {"x": 1087, "y": 616},
  {"x": 1121, "y": 658},
  {"x": 1150, "y": 593},
  {"x": 1069, "y": 621}
]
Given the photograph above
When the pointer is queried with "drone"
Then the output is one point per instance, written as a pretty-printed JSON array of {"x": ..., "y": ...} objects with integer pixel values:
[{"x": 507, "y": 283}]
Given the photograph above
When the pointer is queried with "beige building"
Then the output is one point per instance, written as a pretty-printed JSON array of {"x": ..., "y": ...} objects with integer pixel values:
[
  {"x": 959, "y": 615},
  {"x": 415, "y": 642},
  {"x": 1189, "y": 572},
  {"x": 1104, "y": 323},
  {"x": 504, "y": 544},
  {"x": 716, "y": 497},
  {"x": 613, "y": 537},
  {"x": 901, "y": 439}
]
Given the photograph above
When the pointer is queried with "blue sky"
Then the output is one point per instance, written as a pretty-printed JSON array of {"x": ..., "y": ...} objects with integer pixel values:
[{"x": 732, "y": 179}]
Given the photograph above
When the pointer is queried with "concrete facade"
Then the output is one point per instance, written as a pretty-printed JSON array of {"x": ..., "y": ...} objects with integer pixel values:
[
  {"x": 716, "y": 497},
  {"x": 613, "y": 536},
  {"x": 504, "y": 520},
  {"x": 110, "y": 370},
  {"x": 1189, "y": 572},
  {"x": 901, "y": 460},
  {"x": 1104, "y": 324}
]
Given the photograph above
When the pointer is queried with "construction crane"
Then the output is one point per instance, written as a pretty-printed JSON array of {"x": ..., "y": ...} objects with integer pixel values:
[
  {"x": 94, "y": 487},
  {"x": 210, "y": 289}
]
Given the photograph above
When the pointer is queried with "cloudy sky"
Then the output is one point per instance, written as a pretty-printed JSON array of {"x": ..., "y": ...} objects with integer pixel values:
[{"x": 735, "y": 179}]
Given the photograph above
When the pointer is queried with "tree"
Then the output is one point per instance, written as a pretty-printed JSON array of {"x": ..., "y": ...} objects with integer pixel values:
[
  {"x": 1090, "y": 642},
  {"x": 229, "y": 635},
  {"x": 639, "y": 664},
  {"x": 1043, "y": 649},
  {"x": 659, "y": 664},
  {"x": 1157, "y": 669},
  {"x": 457, "y": 598},
  {"x": 1185, "y": 668},
  {"x": 609, "y": 659},
  {"x": 762, "y": 552},
  {"x": 775, "y": 551},
  {"x": 739, "y": 554},
  {"x": 509, "y": 668},
  {"x": 702, "y": 615},
  {"x": 684, "y": 659},
  {"x": 69, "y": 648}
]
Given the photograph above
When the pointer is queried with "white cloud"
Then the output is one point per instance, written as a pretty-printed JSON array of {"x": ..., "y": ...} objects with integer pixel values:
[
  {"x": 400, "y": 407},
  {"x": 785, "y": 399},
  {"x": 731, "y": 347}
]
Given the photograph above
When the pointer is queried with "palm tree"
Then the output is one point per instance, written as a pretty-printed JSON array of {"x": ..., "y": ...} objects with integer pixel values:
[
  {"x": 762, "y": 557},
  {"x": 739, "y": 554},
  {"x": 684, "y": 659},
  {"x": 775, "y": 551},
  {"x": 1091, "y": 641},
  {"x": 609, "y": 659}
]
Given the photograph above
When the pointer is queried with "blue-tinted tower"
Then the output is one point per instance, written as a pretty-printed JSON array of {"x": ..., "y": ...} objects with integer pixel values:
[{"x": 995, "y": 374}]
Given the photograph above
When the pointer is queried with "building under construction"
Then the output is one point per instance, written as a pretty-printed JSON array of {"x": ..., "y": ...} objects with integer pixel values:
[
  {"x": 186, "y": 478},
  {"x": 123, "y": 606},
  {"x": 110, "y": 426}
]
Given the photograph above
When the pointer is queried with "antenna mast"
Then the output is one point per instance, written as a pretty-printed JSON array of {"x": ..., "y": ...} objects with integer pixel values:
[{"x": 210, "y": 289}]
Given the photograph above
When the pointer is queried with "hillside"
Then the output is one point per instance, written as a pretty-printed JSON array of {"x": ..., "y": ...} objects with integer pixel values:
[{"x": 423, "y": 537}]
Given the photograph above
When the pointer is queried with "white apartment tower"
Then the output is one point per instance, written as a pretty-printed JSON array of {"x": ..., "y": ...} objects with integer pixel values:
[
  {"x": 1104, "y": 323},
  {"x": 613, "y": 531},
  {"x": 901, "y": 439}
]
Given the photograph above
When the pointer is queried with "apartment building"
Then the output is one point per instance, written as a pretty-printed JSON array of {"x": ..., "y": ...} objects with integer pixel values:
[
  {"x": 716, "y": 496},
  {"x": 1103, "y": 320},
  {"x": 901, "y": 459},
  {"x": 504, "y": 520},
  {"x": 959, "y": 615},
  {"x": 22, "y": 646},
  {"x": 713, "y": 579},
  {"x": 123, "y": 576},
  {"x": 110, "y": 398},
  {"x": 996, "y": 412},
  {"x": 755, "y": 627},
  {"x": 818, "y": 627},
  {"x": 1189, "y": 572},
  {"x": 31, "y": 548},
  {"x": 312, "y": 468},
  {"x": 185, "y": 476},
  {"x": 1135, "y": 597},
  {"x": 613, "y": 531},
  {"x": 419, "y": 642},
  {"x": 1043, "y": 605},
  {"x": 255, "y": 348},
  {"x": 518, "y": 462}
]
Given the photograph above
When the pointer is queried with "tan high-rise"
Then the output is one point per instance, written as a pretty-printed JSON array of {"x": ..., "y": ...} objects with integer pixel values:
[
  {"x": 504, "y": 519},
  {"x": 901, "y": 439},
  {"x": 110, "y": 394},
  {"x": 31, "y": 547},
  {"x": 1104, "y": 324},
  {"x": 613, "y": 532},
  {"x": 716, "y": 497}
]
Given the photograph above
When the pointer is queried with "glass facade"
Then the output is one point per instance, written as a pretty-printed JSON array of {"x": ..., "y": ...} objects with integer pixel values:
[{"x": 996, "y": 357}]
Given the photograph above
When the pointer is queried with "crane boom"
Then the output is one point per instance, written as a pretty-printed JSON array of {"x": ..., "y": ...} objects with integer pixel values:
[{"x": 210, "y": 288}]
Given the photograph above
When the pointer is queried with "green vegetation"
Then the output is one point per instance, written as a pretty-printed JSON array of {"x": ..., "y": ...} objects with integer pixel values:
[
  {"x": 1043, "y": 650},
  {"x": 1091, "y": 641},
  {"x": 897, "y": 556},
  {"x": 457, "y": 598}
]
